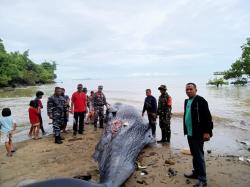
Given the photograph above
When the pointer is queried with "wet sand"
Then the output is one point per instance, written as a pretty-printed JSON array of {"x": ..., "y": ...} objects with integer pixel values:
[{"x": 42, "y": 159}]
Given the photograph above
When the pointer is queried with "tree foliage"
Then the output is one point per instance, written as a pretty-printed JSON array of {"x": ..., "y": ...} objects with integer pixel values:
[
  {"x": 241, "y": 66},
  {"x": 217, "y": 82},
  {"x": 18, "y": 68}
]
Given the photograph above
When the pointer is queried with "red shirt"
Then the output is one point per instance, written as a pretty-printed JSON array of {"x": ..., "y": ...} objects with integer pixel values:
[
  {"x": 79, "y": 100},
  {"x": 33, "y": 115}
]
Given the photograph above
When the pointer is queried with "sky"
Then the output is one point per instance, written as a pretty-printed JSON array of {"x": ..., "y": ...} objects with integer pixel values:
[{"x": 128, "y": 38}]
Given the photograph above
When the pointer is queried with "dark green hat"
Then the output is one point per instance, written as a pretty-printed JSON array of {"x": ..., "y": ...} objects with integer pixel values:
[{"x": 162, "y": 87}]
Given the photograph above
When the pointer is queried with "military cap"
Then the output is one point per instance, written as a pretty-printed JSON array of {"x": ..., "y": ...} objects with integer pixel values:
[{"x": 162, "y": 87}]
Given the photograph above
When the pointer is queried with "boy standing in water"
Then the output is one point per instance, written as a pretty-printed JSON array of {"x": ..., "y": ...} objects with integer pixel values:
[{"x": 7, "y": 126}]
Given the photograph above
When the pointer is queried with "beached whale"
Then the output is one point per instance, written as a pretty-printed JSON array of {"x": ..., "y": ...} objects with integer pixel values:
[{"x": 124, "y": 136}]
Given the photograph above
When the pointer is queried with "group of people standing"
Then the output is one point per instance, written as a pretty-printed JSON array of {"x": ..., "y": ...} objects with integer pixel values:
[
  {"x": 59, "y": 107},
  {"x": 197, "y": 120},
  {"x": 163, "y": 111},
  {"x": 197, "y": 125}
]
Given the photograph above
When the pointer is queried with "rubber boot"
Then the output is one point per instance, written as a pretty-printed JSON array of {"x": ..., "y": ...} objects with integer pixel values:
[
  {"x": 101, "y": 123},
  {"x": 153, "y": 128},
  {"x": 95, "y": 126},
  {"x": 168, "y": 136},
  {"x": 58, "y": 140},
  {"x": 163, "y": 136}
]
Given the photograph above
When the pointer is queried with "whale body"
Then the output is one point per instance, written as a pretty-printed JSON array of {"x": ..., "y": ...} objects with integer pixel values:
[{"x": 125, "y": 135}]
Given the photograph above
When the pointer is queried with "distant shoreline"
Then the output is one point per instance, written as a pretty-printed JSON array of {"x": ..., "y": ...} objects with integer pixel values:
[{"x": 16, "y": 86}]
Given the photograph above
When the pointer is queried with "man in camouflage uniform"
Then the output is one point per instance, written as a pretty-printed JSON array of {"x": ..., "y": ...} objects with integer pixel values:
[
  {"x": 164, "y": 112},
  {"x": 99, "y": 100},
  {"x": 56, "y": 109}
]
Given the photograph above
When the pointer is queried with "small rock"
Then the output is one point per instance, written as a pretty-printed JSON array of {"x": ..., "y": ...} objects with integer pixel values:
[
  {"x": 170, "y": 162},
  {"x": 209, "y": 151},
  {"x": 144, "y": 172},
  {"x": 152, "y": 153},
  {"x": 141, "y": 182},
  {"x": 188, "y": 181},
  {"x": 171, "y": 172},
  {"x": 241, "y": 158}
]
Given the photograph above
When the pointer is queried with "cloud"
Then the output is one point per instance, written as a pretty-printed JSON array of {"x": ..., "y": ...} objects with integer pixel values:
[{"x": 119, "y": 37}]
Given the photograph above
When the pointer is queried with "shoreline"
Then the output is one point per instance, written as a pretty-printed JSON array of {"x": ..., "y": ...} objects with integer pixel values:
[
  {"x": 227, "y": 140},
  {"x": 42, "y": 159},
  {"x": 22, "y": 86}
]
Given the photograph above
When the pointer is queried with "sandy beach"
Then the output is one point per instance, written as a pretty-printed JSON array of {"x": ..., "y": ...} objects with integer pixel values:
[{"x": 42, "y": 159}]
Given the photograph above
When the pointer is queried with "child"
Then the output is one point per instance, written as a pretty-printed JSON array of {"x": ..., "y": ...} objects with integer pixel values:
[
  {"x": 34, "y": 120},
  {"x": 7, "y": 126}
]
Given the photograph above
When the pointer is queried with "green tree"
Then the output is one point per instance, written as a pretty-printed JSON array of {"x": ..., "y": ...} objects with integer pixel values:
[
  {"x": 2, "y": 48},
  {"x": 18, "y": 68},
  {"x": 217, "y": 82},
  {"x": 241, "y": 66}
]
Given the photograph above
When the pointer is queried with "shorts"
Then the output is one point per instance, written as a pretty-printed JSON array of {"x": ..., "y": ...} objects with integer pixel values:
[{"x": 5, "y": 137}]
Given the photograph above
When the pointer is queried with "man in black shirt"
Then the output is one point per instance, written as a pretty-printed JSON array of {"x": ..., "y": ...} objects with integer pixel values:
[
  {"x": 150, "y": 105},
  {"x": 198, "y": 126}
]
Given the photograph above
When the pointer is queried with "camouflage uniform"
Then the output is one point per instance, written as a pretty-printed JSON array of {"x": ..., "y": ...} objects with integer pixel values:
[
  {"x": 99, "y": 100},
  {"x": 66, "y": 114},
  {"x": 57, "y": 108},
  {"x": 164, "y": 112}
]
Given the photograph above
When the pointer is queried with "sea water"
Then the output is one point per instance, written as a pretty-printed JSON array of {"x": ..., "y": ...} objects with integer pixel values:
[{"x": 229, "y": 105}]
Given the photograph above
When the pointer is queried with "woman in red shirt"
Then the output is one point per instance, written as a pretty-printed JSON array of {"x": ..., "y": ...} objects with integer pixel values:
[{"x": 34, "y": 120}]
